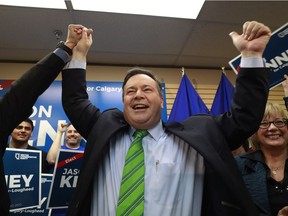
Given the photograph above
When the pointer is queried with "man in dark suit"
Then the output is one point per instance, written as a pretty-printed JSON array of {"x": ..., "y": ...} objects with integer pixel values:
[
  {"x": 19, "y": 140},
  {"x": 189, "y": 168},
  {"x": 16, "y": 104}
]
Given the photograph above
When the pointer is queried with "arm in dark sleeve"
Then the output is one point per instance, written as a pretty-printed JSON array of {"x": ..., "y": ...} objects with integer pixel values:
[
  {"x": 76, "y": 104},
  {"x": 16, "y": 104},
  {"x": 247, "y": 107}
]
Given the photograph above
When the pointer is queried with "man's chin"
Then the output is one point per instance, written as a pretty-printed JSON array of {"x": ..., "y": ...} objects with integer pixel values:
[
  {"x": 22, "y": 139},
  {"x": 73, "y": 144}
]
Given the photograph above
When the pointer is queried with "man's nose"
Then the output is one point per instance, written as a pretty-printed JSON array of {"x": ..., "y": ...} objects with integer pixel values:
[{"x": 139, "y": 93}]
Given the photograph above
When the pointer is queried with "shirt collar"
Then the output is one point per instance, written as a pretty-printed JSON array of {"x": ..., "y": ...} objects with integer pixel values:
[
  {"x": 25, "y": 146},
  {"x": 156, "y": 132}
]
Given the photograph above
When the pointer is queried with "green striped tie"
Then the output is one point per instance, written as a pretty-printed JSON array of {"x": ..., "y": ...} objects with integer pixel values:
[{"x": 131, "y": 197}]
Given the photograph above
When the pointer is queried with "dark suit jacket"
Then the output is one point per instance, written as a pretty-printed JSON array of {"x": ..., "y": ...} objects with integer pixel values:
[
  {"x": 16, "y": 105},
  {"x": 213, "y": 137}
]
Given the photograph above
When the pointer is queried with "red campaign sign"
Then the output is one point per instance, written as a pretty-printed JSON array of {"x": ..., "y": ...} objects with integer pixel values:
[
  {"x": 4, "y": 84},
  {"x": 69, "y": 160}
]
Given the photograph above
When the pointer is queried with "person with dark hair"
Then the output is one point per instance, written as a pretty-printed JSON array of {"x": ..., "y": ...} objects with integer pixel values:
[
  {"x": 19, "y": 140},
  {"x": 135, "y": 164},
  {"x": 16, "y": 104}
]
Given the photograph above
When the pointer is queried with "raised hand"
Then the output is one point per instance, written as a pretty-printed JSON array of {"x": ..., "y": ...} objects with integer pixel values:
[
  {"x": 285, "y": 85},
  {"x": 253, "y": 40},
  {"x": 81, "y": 49},
  {"x": 74, "y": 35}
]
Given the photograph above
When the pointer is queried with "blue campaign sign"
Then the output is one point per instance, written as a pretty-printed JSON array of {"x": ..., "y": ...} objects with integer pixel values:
[
  {"x": 275, "y": 56},
  {"x": 65, "y": 177},
  {"x": 46, "y": 180},
  {"x": 48, "y": 111},
  {"x": 22, "y": 173}
]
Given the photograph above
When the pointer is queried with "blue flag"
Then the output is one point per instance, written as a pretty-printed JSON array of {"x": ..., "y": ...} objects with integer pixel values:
[
  {"x": 187, "y": 102},
  {"x": 223, "y": 97}
]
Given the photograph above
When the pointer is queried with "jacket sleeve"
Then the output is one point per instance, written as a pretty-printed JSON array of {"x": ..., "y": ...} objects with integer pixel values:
[
  {"x": 76, "y": 104},
  {"x": 17, "y": 103},
  {"x": 247, "y": 107}
]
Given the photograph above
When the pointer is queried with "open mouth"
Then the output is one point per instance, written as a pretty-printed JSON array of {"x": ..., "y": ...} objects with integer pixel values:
[
  {"x": 22, "y": 135},
  {"x": 140, "y": 106}
]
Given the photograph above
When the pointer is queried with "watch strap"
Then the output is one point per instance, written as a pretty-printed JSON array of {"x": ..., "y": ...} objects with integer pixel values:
[{"x": 62, "y": 46}]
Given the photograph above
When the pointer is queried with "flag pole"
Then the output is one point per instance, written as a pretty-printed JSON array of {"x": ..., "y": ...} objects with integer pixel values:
[
  {"x": 183, "y": 71},
  {"x": 223, "y": 70}
]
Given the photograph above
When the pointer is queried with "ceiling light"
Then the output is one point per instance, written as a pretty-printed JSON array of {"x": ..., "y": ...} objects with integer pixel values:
[
  {"x": 188, "y": 9},
  {"x": 55, "y": 4}
]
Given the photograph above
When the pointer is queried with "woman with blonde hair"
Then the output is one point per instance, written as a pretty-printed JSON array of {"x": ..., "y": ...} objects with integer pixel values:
[{"x": 265, "y": 170}]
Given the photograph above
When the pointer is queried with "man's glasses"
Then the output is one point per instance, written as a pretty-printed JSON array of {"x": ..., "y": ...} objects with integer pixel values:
[{"x": 277, "y": 123}]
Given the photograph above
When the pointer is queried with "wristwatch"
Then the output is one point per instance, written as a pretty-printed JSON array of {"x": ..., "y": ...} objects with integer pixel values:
[{"x": 62, "y": 46}]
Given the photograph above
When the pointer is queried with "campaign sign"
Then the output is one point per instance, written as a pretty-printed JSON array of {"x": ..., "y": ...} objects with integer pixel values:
[
  {"x": 46, "y": 180},
  {"x": 65, "y": 177},
  {"x": 48, "y": 110},
  {"x": 275, "y": 56},
  {"x": 22, "y": 173}
]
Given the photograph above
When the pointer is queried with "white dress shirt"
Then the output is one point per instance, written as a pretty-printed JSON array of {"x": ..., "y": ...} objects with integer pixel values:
[{"x": 174, "y": 175}]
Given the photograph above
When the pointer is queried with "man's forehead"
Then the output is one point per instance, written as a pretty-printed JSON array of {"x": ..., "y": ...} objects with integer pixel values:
[
  {"x": 140, "y": 79},
  {"x": 25, "y": 124}
]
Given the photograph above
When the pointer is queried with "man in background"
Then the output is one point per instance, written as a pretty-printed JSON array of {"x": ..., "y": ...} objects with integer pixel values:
[
  {"x": 72, "y": 141},
  {"x": 19, "y": 140}
]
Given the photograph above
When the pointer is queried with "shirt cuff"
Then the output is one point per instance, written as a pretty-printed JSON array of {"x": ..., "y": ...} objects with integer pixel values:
[
  {"x": 76, "y": 64},
  {"x": 252, "y": 62},
  {"x": 62, "y": 54}
]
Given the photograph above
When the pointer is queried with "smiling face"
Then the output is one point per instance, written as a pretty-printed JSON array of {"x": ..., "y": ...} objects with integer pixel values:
[
  {"x": 142, "y": 102},
  {"x": 272, "y": 137},
  {"x": 22, "y": 133},
  {"x": 73, "y": 138}
]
